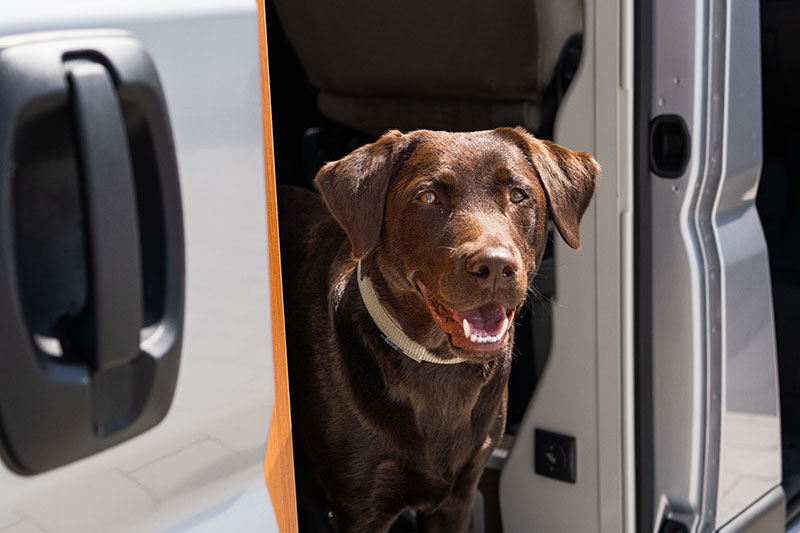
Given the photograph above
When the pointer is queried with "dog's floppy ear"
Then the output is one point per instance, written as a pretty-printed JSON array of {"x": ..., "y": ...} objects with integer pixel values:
[
  {"x": 354, "y": 189},
  {"x": 569, "y": 179}
]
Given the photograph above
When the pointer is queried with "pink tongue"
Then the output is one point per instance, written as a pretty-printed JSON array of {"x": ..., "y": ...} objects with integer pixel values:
[{"x": 487, "y": 319}]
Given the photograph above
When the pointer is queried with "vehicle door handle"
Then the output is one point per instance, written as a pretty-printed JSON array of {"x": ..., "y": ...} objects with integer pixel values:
[
  {"x": 91, "y": 247},
  {"x": 116, "y": 298},
  {"x": 670, "y": 146}
]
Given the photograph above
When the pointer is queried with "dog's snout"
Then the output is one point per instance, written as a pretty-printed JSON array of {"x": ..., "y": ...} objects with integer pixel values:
[{"x": 493, "y": 267}]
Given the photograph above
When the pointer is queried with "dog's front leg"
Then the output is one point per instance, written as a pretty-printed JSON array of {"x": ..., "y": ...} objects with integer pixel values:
[
  {"x": 452, "y": 516},
  {"x": 454, "y": 513}
]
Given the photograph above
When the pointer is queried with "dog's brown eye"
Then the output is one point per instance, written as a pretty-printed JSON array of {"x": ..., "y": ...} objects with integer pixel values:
[
  {"x": 517, "y": 196},
  {"x": 428, "y": 197}
]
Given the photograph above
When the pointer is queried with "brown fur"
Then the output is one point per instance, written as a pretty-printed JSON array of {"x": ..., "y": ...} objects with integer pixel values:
[{"x": 384, "y": 432}]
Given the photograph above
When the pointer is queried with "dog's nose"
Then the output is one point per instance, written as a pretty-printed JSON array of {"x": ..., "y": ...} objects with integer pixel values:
[{"x": 493, "y": 267}]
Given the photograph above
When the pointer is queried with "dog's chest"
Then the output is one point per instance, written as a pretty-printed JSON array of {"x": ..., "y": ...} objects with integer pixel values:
[
  {"x": 451, "y": 433},
  {"x": 440, "y": 469}
]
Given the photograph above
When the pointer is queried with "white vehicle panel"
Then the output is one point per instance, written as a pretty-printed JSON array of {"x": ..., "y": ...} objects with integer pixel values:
[{"x": 202, "y": 466}]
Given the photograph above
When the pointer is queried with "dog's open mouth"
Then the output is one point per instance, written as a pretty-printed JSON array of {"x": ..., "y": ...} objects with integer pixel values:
[{"x": 483, "y": 328}]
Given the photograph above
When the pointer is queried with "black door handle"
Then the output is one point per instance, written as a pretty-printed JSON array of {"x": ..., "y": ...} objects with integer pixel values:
[
  {"x": 91, "y": 247},
  {"x": 670, "y": 146},
  {"x": 105, "y": 164}
]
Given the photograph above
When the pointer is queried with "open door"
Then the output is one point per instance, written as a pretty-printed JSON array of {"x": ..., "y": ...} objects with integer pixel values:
[
  {"x": 709, "y": 443},
  {"x": 136, "y": 362}
]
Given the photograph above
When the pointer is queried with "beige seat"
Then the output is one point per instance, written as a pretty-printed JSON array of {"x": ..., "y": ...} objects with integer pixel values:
[{"x": 438, "y": 64}]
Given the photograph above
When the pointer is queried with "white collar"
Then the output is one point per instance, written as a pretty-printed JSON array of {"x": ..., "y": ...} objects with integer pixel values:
[{"x": 392, "y": 333}]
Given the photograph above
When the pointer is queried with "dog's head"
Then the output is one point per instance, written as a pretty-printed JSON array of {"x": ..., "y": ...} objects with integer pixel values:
[{"x": 458, "y": 224}]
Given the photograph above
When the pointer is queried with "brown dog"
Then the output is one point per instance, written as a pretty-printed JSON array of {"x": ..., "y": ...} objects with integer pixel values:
[{"x": 399, "y": 405}]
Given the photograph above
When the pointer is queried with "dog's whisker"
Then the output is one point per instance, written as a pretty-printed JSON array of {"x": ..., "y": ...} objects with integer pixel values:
[
  {"x": 453, "y": 251},
  {"x": 537, "y": 294}
]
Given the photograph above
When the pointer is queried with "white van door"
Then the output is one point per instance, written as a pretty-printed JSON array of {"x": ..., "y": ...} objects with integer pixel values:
[
  {"x": 136, "y": 370},
  {"x": 708, "y": 423}
]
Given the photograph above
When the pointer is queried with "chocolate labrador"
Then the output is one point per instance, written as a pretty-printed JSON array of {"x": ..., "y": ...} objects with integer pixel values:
[{"x": 402, "y": 280}]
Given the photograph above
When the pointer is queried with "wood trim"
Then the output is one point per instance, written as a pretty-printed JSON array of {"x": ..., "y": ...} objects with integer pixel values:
[{"x": 279, "y": 464}]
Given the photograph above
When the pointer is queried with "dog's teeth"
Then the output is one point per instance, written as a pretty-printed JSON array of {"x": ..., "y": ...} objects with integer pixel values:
[{"x": 480, "y": 337}]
